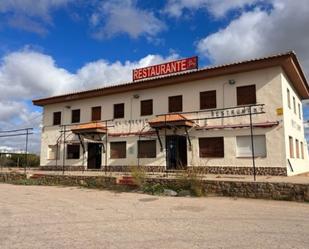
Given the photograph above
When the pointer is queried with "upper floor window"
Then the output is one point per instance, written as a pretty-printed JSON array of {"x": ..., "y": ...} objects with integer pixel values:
[
  {"x": 288, "y": 97},
  {"x": 297, "y": 148},
  {"x": 246, "y": 95},
  {"x": 118, "y": 150},
  {"x": 119, "y": 110},
  {"x": 291, "y": 145},
  {"x": 96, "y": 113},
  {"x": 294, "y": 105},
  {"x": 75, "y": 116},
  {"x": 175, "y": 103},
  {"x": 211, "y": 147},
  {"x": 147, "y": 149},
  {"x": 57, "y": 118},
  {"x": 146, "y": 107},
  {"x": 299, "y": 111},
  {"x": 208, "y": 100}
]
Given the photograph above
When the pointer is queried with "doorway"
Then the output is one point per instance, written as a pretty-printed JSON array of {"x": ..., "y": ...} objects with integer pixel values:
[
  {"x": 94, "y": 156},
  {"x": 176, "y": 150}
]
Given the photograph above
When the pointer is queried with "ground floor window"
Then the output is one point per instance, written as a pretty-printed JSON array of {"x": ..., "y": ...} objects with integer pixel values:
[
  {"x": 211, "y": 147},
  {"x": 291, "y": 145},
  {"x": 73, "y": 151},
  {"x": 302, "y": 150},
  {"x": 118, "y": 150},
  {"x": 53, "y": 152},
  {"x": 297, "y": 148},
  {"x": 147, "y": 149},
  {"x": 244, "y": 146}
]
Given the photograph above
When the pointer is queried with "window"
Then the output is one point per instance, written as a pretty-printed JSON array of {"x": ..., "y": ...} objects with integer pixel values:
[
  {"x": 146, "y": 107},
  {"x": 291, "y": 147},
  {"x": 302, "y": 150},
  {"x": 299, "y": 111},
  {"x": 208, "y": 100},
  {"x": 289, "y": 98},
  {"x": 175, "y": 103},
  {"x": 297, "y": 148},
  {"x": 119, "y": 110},
  {"x": 211, "y": 147},
  {"x": 246, "y": 95},
  {"x": 147, "y": 149},
  {"x": 96, "y": 113},
  {"x": 73, "y": 151},
  {"x": 53, "y": 152},
  {"x": 57, "y": 118},
  {"x": 294, "y": 105},
  {"x": 244, "y": 146},
  {"x": 118, "y": 150},
  {"x": 75, "y": 116}
]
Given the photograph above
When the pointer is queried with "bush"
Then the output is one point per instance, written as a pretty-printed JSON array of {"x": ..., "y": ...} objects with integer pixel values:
[{"x": 139, "y": 175}]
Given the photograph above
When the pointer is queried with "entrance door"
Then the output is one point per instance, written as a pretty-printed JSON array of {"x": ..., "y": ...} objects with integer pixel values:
[
  {"x": 176, "y": 149},
  {"x": 94, "y": 156}
]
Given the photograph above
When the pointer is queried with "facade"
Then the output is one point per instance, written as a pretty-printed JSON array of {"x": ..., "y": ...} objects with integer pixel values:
[{"x": 197, "y": 119}]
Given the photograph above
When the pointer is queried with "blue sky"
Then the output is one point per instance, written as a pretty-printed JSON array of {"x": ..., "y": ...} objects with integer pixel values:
[{"x": 50, "y": 47}]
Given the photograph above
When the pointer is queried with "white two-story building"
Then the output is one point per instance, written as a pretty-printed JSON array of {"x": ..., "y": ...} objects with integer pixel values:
[{"x": 216, "y": 119}]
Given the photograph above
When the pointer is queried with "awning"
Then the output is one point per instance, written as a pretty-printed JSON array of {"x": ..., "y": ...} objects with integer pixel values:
[
  {"x": 93, "y": 127},
  {"x": 170, "y": 120}
]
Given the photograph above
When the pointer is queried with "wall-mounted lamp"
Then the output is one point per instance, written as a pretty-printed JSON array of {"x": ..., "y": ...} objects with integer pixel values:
[
  {"x": 232, "y": 82},
  {"x": 136, "y": 96}
]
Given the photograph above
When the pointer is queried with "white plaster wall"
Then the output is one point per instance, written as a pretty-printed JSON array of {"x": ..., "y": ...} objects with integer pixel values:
[
  {"x": 269, "y": 91},
  {"x": 293, "y": 126}
]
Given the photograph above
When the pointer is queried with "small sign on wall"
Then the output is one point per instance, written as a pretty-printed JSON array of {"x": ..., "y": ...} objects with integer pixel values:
[{"x": 279, "y": 111}]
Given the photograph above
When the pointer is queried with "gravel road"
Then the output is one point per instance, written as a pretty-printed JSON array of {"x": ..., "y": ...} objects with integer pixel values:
[{"x": 64, "y": 217}]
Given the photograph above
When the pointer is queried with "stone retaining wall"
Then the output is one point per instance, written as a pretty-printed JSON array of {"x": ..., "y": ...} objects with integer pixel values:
[{"x": 262, "y": 190}]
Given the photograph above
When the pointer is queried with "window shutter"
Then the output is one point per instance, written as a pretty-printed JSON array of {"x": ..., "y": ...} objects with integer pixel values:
[
  {"x": 175, "y": 103},
  {"x": 118, "y": 150},
  {"x": 246, "y": 95},
  {"x": 147, "y": 149},
  {"x": 119, "y": 110},
  {"x": 244, "y": 148},
  {"x": 208, "y": 100},
  {"x": 57, "y": 118},
  {"x": 96, "y": 113},
  {"x": 211, "y": 147},
  {"x": 73, "y": 151},
  {"x": 146, "y": 107},
  {"x": 76, "y": 116}
]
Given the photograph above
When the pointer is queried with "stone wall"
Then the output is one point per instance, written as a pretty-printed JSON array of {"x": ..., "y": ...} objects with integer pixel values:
[
  {"x": 262, "y": 190},
  {"x": 272, "y": 171}
]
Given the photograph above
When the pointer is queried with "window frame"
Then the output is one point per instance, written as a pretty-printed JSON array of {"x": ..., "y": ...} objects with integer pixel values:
[
  {"x": 215, "y": 153},
  {"x": 241, "y": 99},
  {"x": 72, "y": 116},
  {"x": 257, "y": 154},
  {"x": 141, "y": 144},
  {"x": 93, "y": 113},
  {"x": 144, "y": 112},
  {"x": 71, "y": 156},
  {"x": 203, "y": 103},
  {"x": 118, "y": 114},
  {"x": 56, "y": 119},
  {"x": 123, "y": 155},
  {"x": 171, "y": 106}
]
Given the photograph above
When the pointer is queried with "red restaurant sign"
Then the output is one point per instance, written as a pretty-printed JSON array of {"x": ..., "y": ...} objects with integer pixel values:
[{"x": 166, "y": 68}]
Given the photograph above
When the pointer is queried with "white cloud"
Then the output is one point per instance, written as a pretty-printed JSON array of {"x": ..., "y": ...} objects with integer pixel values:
[
  {"x": 30, "y": 15},
  {"x": 259, "y": 32},
  {"x": 28, "y": 74},
  {"x": 124, "y": 17},
  {"x": 176, "y": 8}
]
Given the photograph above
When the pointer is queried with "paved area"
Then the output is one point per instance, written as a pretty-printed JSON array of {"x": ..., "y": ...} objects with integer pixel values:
[
  {"x": 302, "y": 179},
  {"x": 58, "y": 217}
]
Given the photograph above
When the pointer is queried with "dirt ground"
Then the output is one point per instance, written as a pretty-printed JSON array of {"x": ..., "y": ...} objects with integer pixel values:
[{"x": 58, "y": 217}]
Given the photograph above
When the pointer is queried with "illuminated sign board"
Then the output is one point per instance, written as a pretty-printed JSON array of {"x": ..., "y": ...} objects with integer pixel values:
[{"x": 166, "y": 68}]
